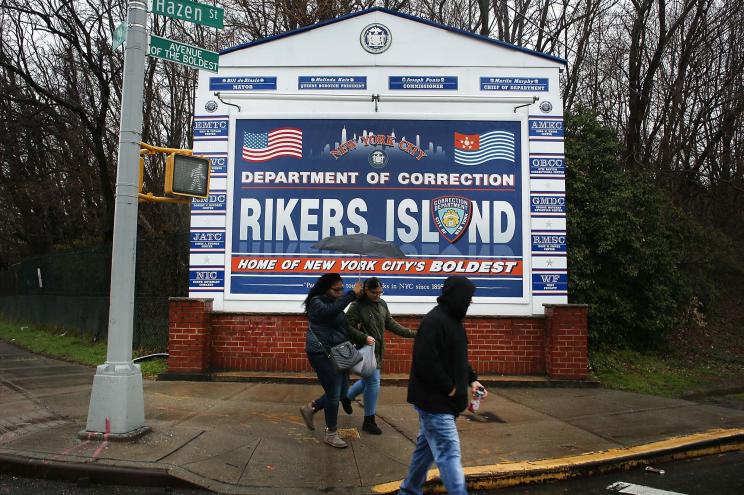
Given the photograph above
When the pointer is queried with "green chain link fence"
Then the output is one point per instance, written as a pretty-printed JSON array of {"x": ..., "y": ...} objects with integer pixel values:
[{"x": 70, "y": 290}]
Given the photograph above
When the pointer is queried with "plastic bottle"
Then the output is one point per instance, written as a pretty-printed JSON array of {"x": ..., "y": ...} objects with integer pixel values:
[{"x": 478, "y": 394}]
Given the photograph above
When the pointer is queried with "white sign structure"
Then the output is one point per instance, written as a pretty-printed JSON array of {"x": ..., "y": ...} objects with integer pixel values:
[{"x": 455, "y": 153}]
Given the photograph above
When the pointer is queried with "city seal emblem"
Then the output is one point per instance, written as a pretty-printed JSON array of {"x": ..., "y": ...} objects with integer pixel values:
[
  {"x": 375, "y": 38},
  {"x": 210, "y": 106},
  {"x": 378, "y": 159},
  {"x": 451, "y": 216}
]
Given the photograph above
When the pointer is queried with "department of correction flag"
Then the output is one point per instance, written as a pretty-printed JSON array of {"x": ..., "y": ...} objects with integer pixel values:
[
  {"x": 474, "y": 149},
  {"x": 265, "y": 146}
]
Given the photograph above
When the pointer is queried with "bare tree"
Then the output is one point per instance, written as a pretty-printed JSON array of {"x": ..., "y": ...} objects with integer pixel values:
[
  {"x": 666, "y": 75},
  {"x": 57, "y": 51}
]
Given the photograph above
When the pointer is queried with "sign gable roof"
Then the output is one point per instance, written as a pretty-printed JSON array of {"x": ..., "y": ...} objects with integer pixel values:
[{"x": 409, "y": 17}]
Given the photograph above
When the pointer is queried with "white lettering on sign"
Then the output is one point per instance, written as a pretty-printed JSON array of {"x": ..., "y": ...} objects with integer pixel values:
[
  {"x": 406, "y": 221},
  {"x": 504, "y": 222},
  {"x": 257, "y": 220},
  {"x": 442, "y": 179},
  {"x": 178, "y": 9},
  {"x": 207, "y": 236},
  {"x": 211, "y": 199},
  {"x": 549, "y": 200},
  {"x": 257, "y": 264},
  {"x": 541, "y": 125},
  {"x": 473, "y": 266},
  {"x": 334, "y": 177},
  {"x": 324, "y": 265},
  {"x": 549, "y": 239},
  {"x": 210, "y": 124},
  {"x": 302, "y": 177},
  {"x": 547, "y": 162}
]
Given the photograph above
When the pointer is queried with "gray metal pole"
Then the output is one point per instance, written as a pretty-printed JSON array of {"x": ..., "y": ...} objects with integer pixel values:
[{"x": 117, "y": 399}]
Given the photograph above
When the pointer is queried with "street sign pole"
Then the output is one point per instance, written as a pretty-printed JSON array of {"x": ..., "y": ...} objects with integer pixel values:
[{"x": 117, "y": 399}]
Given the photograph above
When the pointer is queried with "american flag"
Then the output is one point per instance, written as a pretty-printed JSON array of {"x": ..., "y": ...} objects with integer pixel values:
[
  {"x": 474, "y": 149},
  {"x": 264, "y": 146}
]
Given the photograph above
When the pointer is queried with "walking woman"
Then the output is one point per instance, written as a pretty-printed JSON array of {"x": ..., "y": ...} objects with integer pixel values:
[
  {"x": 368, "y": 318},
  {"x": 324, "y": 305}
]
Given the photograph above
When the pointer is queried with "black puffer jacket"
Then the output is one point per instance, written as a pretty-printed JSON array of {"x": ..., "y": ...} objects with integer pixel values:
[
  {"x": 327, "y": 321},
  {"x": 440, "y": 353}
]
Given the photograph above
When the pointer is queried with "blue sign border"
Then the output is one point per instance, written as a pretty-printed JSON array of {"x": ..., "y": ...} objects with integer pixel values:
[
  {"x": 242, "y": 83},
  {"x": 331, "y": 83},
  {"x": 528, "y": 84},
  {"x": 422, "y": 83}
]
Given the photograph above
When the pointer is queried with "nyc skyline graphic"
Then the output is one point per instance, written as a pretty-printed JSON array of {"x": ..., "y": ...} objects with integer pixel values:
[{"x": 365, "y": 145}]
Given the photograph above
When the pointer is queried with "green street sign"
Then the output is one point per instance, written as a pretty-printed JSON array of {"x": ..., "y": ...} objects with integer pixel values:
[
  {"x": 189, "y": 11},
  {"x": 119, "y": 36},
  {"x": 181, "y": 53}
]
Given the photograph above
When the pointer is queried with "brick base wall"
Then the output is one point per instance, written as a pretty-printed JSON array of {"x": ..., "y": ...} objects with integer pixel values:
[
  {"x": 554, "y": 345},
  {"x": 188, "y": 335},
  {"x": 566, "y": 341}
]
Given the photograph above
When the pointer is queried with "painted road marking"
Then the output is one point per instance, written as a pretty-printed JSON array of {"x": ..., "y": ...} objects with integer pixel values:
[{"x": 630, "y": 488}]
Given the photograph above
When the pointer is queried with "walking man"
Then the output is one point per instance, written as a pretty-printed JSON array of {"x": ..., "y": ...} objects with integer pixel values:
[{"x": 439, "y": 388}]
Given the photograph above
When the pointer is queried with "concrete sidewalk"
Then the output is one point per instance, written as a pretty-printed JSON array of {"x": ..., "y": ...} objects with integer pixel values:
[{"x": 248, "y": 437}]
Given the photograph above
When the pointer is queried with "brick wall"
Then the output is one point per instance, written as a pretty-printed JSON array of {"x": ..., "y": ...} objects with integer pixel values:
[
  {"x": 566, "y": 341},
  {"x": 259, "y": 342},
  {"x": 188, "y": 335},
  {"x": 275, "y": 342}
]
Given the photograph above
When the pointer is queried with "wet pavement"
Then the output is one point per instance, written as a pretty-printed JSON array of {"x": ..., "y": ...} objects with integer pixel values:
[{"x": 248, "y": 437}]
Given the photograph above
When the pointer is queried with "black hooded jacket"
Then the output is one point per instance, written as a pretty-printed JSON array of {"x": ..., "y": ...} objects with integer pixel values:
[{"x": 440, "y": 353}]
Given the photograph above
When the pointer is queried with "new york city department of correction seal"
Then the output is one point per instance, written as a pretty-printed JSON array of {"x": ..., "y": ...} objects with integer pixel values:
[{"x": 376, "y": 38}]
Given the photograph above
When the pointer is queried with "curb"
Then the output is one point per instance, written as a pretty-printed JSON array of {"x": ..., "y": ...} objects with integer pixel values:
[
  {"x": 96, "y": 473},
  {"x": 505, "y": 475}
]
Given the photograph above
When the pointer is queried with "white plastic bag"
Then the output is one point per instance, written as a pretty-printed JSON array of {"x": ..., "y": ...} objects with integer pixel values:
[{"x": 367, "y": 366}]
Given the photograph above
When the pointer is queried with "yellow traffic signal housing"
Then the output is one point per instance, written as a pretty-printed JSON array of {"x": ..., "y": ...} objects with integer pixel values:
[{"x": 187, "y": 175}]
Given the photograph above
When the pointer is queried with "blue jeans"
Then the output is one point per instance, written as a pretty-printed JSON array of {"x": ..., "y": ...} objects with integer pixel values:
[
  {"x": 371, "y": 388},
  {"x": 333, "y": 383},
  {"x": 437, "y": 442}
]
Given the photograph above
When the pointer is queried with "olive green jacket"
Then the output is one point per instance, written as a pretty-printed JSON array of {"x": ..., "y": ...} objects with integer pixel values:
[{"x": 368, "y": 318}]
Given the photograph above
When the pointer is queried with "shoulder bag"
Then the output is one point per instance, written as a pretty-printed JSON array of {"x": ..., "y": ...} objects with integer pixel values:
[
  {"x": 343, "y": 356},
  {"x": 368, "y": 365}
]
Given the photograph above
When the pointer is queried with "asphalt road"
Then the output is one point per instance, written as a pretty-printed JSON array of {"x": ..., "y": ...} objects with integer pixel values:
[
  {"x": 12, "y": 485},
  {"x": 711, "y": 475}
]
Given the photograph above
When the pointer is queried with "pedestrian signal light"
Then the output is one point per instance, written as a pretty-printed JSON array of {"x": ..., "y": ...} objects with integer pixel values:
[{"x": 187, "y": 175}]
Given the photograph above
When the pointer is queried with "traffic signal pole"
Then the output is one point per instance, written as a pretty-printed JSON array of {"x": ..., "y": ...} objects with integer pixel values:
[{"x": 117, "y": 399}]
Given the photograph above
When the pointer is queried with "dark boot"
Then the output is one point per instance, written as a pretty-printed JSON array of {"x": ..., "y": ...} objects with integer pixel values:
[
  {"x": 370, "y": 426},
  {"x": 346, "y": 404}
]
